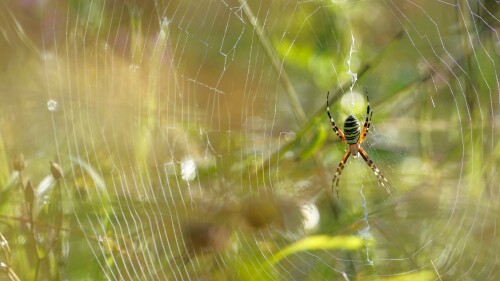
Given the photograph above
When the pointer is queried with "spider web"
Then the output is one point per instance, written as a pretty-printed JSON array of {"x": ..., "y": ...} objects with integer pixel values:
[{"x": 195, "y": 143}]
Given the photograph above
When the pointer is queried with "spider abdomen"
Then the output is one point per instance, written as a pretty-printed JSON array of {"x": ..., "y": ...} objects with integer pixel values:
[{"x": 351, "y": 129}]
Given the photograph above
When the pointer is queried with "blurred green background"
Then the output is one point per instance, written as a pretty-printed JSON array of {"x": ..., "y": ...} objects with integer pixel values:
[{"x": 188, "y": 140}]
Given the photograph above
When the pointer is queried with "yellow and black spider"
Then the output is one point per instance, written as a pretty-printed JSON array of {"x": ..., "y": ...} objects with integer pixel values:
[{"x": 353, "y": 137}]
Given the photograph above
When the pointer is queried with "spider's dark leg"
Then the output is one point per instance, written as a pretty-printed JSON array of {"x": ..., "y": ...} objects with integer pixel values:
[
  {"x": 372, "y": 166},
  {"x": 336, "y": 177},
  {"x": 334, "y": 126},
  {"x": 368, "y": 120}
]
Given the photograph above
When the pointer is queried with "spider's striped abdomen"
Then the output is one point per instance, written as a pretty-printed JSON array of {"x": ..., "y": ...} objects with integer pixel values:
[{"x": 351, "y": 129}]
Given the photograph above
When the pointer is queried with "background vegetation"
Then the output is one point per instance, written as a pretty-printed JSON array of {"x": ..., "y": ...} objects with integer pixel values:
[{"x": 179, "y": 140}]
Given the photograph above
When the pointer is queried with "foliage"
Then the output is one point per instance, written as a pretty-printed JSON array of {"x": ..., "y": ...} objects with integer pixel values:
[{"x": 186, "y": 139}]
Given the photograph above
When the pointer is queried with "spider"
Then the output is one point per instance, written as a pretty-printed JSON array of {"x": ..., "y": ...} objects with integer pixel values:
[{"x": 353, "y": 137}]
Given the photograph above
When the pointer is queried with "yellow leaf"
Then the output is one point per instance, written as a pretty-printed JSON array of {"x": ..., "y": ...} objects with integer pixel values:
[
  {"x": 423, "y": 275},
  {"x": 320, "y": 242}
]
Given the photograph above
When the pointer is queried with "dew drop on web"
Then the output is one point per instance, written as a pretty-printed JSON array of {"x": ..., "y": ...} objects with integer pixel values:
[
  {"x": 52, "y": 105},
  {"x": 188, "y": 169}
]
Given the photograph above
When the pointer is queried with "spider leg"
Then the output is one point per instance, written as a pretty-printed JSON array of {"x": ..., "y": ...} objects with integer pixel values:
[
  {"x": 334, "y": 126},
  {"x": 368, "y": 120},
  {"x": 336, "y": 177},
  {"x": 372, "y": 166}
]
